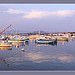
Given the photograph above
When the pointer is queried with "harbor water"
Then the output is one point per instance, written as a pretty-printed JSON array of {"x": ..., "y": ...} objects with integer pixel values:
[{"x": 38, "y": 57}]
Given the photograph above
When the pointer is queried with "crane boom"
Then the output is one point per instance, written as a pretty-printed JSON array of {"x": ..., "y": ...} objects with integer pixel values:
[{"x": 5, "y": 29}]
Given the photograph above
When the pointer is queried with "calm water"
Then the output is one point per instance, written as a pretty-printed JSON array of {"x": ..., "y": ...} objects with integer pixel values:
[{"x": 39, "y": 57}]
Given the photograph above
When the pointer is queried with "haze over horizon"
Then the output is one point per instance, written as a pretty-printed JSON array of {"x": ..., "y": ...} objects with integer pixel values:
[{"x": 35, "y": 17}]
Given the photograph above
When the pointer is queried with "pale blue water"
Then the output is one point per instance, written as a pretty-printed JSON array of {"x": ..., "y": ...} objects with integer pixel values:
[{"x": 39, "y": 57}]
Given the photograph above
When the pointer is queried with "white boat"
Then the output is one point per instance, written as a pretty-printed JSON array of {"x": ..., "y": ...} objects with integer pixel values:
[
  {"x": 10, "y": 41},
  {"x": 19, "y": 39}
]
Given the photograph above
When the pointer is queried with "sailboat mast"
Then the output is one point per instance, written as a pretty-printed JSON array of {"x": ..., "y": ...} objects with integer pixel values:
[{"x": 39, "y": 32}]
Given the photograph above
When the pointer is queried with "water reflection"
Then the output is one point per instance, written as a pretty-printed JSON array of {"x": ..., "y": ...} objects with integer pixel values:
[
  {"x": 26, "y": 43},
  {"x": 45, "y": 44},
  {"x": 5, "y": 48},
  {"x": 20, "y": 43},
  {"x": 63, "y": 41},
  {"x": 48, "y": 57},
  {"x": 40, "y": 57}
]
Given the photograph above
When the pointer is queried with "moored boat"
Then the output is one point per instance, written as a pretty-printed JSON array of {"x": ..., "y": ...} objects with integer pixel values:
[
  {"x": 18, "y": 43},
  {"x": 5, "y": 44},
  {"x": 15, "y": 40},
  {"x": 62, "y": 39},
  {"x": 46, "y": 41},
  {"x": 73, "y": 37},
  {"x": 19, "y": 39}
]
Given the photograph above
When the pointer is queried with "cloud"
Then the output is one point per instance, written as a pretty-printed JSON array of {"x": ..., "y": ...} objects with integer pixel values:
[
  {"x": 37, "y": 14},
  {"x": 13, "y": 11},
  {"x": 40, "y": 14},
  {"x": 65, "y": 13}
]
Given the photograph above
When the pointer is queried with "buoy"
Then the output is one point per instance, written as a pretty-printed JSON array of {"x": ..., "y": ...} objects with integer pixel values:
[
  {"x": 17, "y": 46},
  {"x": 22, "y": 49},
  {"x": 63, "y": 43}
]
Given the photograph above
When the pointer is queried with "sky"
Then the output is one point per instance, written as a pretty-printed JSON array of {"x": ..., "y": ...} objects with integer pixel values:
[{"x": 35, "y": 17}]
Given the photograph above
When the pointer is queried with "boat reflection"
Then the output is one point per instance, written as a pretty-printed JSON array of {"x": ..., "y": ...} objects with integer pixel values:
[
  {"x": 45, "y": 44},
  {"x": 26, "y": 43},
  {"x": 5, "y": 48},
  {"x": 62, "y": 42}
]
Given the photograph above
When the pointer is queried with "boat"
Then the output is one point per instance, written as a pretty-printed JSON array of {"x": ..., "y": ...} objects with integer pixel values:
[
  {"x": 73, "y": 37},
  {"x": 26, "y": 38},
  {"x": 62, "y": 39},
  {"x": 5, "y": 44},
  {"x": 15, "y": 40},
  {"x": 19, "y": 39},
  {"x": 45, "y": 41},
  {"x": 18, "y": 43}
]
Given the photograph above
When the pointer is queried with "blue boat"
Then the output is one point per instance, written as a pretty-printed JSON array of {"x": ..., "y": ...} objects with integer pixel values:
[{"x": 46, "y": 41}]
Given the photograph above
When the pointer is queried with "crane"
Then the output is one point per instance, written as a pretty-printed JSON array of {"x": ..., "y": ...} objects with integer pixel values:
[{"x": 5, "y": 29}]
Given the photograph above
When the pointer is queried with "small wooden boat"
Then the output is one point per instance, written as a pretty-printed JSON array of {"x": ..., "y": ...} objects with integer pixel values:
[
  {"x": 62, "y": 39},
  {"x": 15, "y": 40},
  {"x": 5, "y": 44},
  {"x": 46, "y": 41},
  {"x": 73, "y": 37},
  {"x": 18, "y": 43},
  {"x": 21, "y": 38}
]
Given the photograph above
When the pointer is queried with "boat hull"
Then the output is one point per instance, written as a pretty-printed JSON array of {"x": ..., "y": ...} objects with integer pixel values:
[
  {"x": 5, "y": 45},
  {"x": 14, "y": 41},
  {"x": 46, "y": 42}
]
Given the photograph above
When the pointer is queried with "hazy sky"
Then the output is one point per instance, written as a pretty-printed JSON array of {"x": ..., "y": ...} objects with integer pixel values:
[{"x": 34, "y": 17}]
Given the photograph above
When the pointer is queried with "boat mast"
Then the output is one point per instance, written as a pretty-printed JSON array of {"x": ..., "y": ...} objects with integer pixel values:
[{"x": 39, "y": 32}]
